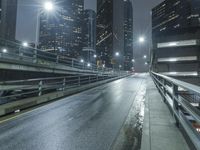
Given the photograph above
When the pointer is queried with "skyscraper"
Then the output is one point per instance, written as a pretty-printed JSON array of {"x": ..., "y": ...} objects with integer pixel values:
[
  {"x": 175, "y": 34},
  {"x": 89, "y": 35},
  {"x": 8, "y": 16},
  {"x": 110, "y": 32},
  {"x": 128, "y": 34},
  {"x": 62, "y": 32}
]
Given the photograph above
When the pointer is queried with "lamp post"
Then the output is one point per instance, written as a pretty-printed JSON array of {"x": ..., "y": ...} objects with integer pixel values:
[{"x": 48, "y": 7}]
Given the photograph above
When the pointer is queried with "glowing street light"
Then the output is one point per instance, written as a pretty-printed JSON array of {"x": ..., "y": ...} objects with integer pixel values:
[
  {"x": 25, "y": 44},
  {"x": 117, "y": 54},
  {"x": 4, "y": 50},
  {"x": 141, "y": 39},
  {"x": 146, "y": 63},
  {"x": 133, "y": 60},
  {"x": 48, "y": 6},
  {"x": 95, "y": 56},
  {"x": 89, "y": 65},
  {"x": 82, "y": 61},
  {"x": 145, "y": 56}
]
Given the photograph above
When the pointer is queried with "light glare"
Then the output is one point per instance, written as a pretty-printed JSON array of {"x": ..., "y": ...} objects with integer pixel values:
[
  {"x": 141, "y": 39},
  {"x": 25, "y": 44},
  {"x": 48, "y": 6},
  {"x": 4, "y": 50}
]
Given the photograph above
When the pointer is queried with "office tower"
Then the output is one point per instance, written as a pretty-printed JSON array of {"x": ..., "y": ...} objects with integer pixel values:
[
  {"x": 61, "y": 32},
  {"x": 175, "y": 34},
  {"x": 89, "y": 33},
  {"x": 110, "y": 32},
  {"x": 8, "y": 16},
  {"x": 128, "y": 34}
]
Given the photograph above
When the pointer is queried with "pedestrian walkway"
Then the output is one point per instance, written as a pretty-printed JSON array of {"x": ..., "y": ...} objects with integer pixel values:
[{"x": 159, "y": 130}]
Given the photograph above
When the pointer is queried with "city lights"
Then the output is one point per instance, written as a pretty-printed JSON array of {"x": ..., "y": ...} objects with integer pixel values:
[{"x": 82, "y": 61}]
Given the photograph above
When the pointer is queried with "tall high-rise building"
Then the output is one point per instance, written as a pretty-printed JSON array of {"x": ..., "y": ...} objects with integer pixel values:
[
  {"x": 175, "y": 34},
  {"x": 62, "y": 31},
  {"x": 89, "y": 35},
  {"x": 110, "y": 32},
  {"x": 8, "y": 16},
  {"x": 128, "y": 34}
]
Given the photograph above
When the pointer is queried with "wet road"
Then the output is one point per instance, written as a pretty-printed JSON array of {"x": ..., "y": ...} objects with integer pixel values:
[{"x": 87, "y": 121}]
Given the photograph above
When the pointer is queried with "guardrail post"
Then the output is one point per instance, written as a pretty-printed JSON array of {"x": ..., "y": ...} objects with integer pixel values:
[
  {"x": 20, "y": 53},
  {"x": 40, "y": 88},
  {"x": 35, "y": 56},
  {"x": 79, "y": 80},
  {"x": 72, "y": 63},
  {"x": 175, "y": 103},
  {"x": 97, "y": 77},
  {"x": 64, "y": 84},
  {"x": 57, "y": 59}
]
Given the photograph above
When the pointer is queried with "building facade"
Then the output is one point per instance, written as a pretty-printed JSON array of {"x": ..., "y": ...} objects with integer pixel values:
[
  {"x": 8, "y": 17},
  {"x": 110, "y": 32},
  {"x": 89, "y": 36},
  {"x": 176, "y": 37},
  {"x": 128, "y": 34},
  {"x": 62, "y": 32}
]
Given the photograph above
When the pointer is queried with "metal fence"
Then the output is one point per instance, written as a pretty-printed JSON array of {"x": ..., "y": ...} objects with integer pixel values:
[
  {"x": 18, "y": 90},
  {"x": 14, "y": 51},
  {"x": 184, "y": 101}
]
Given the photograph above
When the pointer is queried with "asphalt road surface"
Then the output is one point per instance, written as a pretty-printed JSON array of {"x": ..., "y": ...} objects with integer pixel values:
[{"x": 87, "y": 121}]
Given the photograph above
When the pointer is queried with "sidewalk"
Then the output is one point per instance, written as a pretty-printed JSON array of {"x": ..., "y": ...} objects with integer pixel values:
[{"x": 159, "y": 129}]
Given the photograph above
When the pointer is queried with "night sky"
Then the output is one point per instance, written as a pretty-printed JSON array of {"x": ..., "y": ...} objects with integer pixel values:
[{"x": 26, "y": 22}]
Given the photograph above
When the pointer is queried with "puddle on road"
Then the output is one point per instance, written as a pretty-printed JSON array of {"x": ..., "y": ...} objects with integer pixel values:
[{"x": 130, "y": 134}]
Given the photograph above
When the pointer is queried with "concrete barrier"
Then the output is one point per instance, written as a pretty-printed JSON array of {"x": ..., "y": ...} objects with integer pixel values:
[{"x": 34, "y": 101}]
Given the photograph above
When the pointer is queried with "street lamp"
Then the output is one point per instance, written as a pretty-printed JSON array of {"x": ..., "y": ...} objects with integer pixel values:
[
  {"x": 146, "y": 63},
  {"x": 82, "y": 61},
  {"x": 145, "y": 56},
  {"x": 48, "y": 7},
  {"x": 133, "y": 60},
  {"x": 4, "y": 50},
  {"x": 89, "y": 65},
  {"x": 95, "y": 56},
  {"x": 141, "y": 39},
  {"x": 117, "y": 54},
  {"x": 25, "y": 44}
]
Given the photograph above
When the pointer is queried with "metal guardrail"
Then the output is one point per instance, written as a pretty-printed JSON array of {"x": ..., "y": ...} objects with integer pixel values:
[
  {"x": 14, "y": 51},
  {"x": 184, "y": 101},
  {"x": 17, "y": 90}
]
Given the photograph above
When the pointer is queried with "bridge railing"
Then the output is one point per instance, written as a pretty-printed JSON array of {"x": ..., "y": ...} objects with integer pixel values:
[
  {"x": 184, "y": 101},
  {"x": 18, "y": 90},
  {"x": 14, "y": 51}
]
